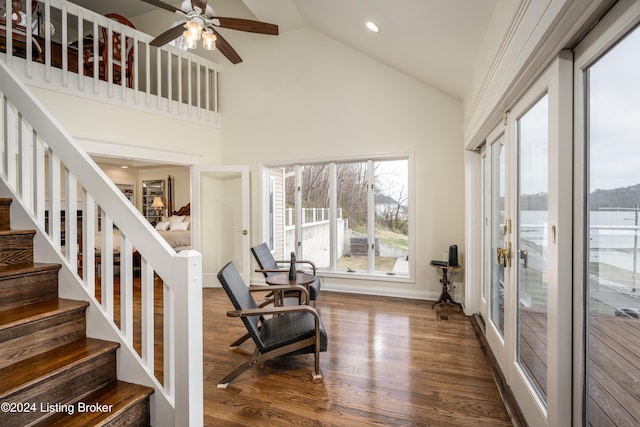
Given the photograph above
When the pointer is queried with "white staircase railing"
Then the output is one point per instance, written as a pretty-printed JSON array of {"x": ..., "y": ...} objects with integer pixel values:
[
  {"x": 49, "y": 175},
  {"x": 166, "y": 81}
]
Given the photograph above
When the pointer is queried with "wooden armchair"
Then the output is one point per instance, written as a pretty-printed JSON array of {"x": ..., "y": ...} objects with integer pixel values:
[
  {"x": 292, "y": 330},
  {"x": 269, "y": 266}
]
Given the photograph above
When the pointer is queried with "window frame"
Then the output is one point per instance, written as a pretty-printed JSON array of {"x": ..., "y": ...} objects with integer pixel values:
[
  {"x": 331, "y": 162},
  {"x": 612, "y": 28}
]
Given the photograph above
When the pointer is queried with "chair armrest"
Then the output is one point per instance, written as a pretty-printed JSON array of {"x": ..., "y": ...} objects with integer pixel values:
[
  {"x": 258, "y": 270},
  {"x": 299, "y": 261},
  {"x": 274, "y": 310},
  {"x": 304, "y": 261}
]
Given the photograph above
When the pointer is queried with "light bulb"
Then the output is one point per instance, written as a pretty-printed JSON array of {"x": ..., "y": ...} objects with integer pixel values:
[
  {"x": 189, "y": 41},
  {"x": 209, "y": 41},
  {"x": 195, "y": 29}
]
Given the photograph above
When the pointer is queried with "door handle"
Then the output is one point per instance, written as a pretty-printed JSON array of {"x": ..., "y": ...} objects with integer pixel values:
[
  {"x": 244, "y": 232},
  {"x": 504, "y": 255},
  {"x": 524, "y": 256},
  {"x": 501, "y": 256}
]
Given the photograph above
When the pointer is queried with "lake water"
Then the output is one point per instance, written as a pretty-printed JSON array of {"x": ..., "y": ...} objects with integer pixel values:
[{"x": 612, "y": 237}]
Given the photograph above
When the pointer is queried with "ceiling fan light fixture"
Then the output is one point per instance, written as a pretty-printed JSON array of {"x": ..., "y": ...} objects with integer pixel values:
[
  {"x": 189, "y": 41},
  {"x": 194, "y": 29},
  {"x": 372, "y": 26},
  {"x": 209, "y": 41}
]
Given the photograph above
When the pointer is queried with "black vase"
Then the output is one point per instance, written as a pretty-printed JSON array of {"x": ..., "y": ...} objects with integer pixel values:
[{"x": 292, "y": 267}]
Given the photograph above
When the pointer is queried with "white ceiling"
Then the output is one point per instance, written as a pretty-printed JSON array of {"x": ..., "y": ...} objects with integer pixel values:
[{"x": 433, "y": 41}]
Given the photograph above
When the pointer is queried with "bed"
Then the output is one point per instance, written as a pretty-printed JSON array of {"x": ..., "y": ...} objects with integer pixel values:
[{"x": 175, "y": 229}]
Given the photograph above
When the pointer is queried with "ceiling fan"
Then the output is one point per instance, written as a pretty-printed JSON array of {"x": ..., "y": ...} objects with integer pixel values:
[{"x": 201, "y": 22}]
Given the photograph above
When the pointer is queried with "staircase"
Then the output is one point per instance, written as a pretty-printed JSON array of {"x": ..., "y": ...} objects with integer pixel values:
[{"x": 50, "y": 372}]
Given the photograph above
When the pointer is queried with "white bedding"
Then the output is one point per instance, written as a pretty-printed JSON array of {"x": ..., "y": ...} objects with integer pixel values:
[{"x": 178, "y": 239}]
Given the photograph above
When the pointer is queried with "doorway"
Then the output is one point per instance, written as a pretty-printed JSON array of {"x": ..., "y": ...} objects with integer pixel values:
[{"x": 527, "y": 231}]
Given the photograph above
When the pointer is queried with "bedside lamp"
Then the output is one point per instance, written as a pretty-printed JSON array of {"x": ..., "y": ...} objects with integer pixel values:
[{"x": 158, "y": 205}]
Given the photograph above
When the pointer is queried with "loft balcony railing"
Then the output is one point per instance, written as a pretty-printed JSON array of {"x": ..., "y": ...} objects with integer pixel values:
[{"x": 54, "y": 48}]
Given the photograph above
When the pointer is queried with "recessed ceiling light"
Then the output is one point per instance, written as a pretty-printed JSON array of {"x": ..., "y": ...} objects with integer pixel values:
[
  {"x": 124, "y": 167},
  {"x": 372, "y": 26}
]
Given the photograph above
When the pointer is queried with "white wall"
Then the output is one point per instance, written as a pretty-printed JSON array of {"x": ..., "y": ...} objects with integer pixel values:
[
  {"x": 97, "y": 121},
  {"x": 303, "y": 96}
]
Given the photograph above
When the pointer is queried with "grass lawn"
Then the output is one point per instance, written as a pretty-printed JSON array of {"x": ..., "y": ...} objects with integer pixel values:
[
  {"x": 388, "y": 238},
  {"x": 360, "y": 263}
]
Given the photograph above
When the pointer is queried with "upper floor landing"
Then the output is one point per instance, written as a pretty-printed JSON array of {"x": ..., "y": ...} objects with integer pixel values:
[{"x": 63, "y": 47}]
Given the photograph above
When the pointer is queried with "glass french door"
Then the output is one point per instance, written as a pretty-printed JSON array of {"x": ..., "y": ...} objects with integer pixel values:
[
  {"x": 532, "y": 241},
  {"x": 608, "y": 294},
  {"x": 493, "y": 290},
  {"x": 527, "y": 244}
]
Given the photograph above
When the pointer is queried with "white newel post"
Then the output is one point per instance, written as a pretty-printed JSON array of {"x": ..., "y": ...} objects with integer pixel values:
[{"x": 189, "y": 403}]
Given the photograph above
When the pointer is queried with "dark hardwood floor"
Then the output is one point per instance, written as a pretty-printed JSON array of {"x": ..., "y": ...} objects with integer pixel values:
[{"x": 390, "y": 362}]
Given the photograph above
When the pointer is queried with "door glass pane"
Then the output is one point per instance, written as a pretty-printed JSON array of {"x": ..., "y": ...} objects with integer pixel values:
[
  {"x": 316, "y": 234},
  {"x": 391, "y": 217},
  {"x": 352, "y": 214},
  {"x": 532, "y": 244},
  {"x": 613, "y": 299},
  {"x": 497, "y": 232}
]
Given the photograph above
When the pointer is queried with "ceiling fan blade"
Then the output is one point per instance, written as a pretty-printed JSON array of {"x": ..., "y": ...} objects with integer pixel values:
[
  {"x": 202, "y": 4},
  {"x": 168, "y": 36},
  {"x": 162, "y": 5},
  {"x": 225, "y": 48},
  {"x": 248, "y": 25}
]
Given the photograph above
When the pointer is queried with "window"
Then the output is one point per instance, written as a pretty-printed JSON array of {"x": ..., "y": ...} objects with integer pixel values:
[
  {"x": 348, "y": 217},
  {"x": 611, "y": 254}
]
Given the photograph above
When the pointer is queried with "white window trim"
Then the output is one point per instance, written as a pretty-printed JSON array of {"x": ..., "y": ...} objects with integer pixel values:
[{"x": 379, "y": 277}]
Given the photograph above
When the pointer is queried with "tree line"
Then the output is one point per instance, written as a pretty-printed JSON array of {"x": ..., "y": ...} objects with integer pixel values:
[{"x": 352, "y": 189}]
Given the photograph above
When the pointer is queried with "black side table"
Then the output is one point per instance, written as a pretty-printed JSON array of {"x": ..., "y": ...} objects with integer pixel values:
[{"x": 445, "y": 297}]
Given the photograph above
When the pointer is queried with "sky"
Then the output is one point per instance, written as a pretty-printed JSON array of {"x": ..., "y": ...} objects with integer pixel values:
[{"x": 614, "y": 119}]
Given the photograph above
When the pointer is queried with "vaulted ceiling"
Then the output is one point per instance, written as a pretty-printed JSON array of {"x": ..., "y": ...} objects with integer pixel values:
[{"x": 434, "y": 41}]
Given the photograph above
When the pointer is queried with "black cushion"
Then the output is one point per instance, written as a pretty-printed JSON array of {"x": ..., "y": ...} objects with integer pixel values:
[{"x": 289, "y": 328}]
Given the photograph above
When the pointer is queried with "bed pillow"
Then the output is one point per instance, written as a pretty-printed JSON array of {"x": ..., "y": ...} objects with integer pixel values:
[
  {"x": 177, "y": 218},
  {"x": 163, "y": 225},
  {"x": 179, "y": 226}
]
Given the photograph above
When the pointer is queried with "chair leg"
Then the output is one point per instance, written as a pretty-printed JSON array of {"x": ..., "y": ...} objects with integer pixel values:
[
  {"x": 317, "y": 374},
  {"x": 263, "y": 357},
  {"x": 223, "y": 383},
  {"x": 239, "y": 341}
]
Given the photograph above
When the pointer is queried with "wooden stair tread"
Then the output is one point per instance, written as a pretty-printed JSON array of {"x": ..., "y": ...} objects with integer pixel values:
[
  {"x": 17, "y": 232},
  {"x": 37, "y": 311},
  {"x": 45, "y": 356},
  {"x": 12, "y": 270},
  {"x": 22, "y": 374},
  {"x": 112, "y": 398}
]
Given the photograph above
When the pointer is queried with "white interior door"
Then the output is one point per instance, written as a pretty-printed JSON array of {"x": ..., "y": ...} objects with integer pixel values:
[{"x": 220, "y": 211}]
